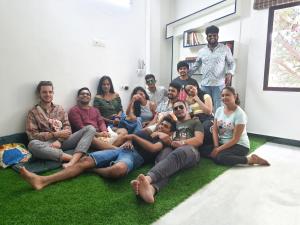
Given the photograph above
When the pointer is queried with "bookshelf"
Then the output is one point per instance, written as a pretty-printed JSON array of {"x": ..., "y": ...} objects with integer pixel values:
[
  {"x": 192, "y": 38},
  {"x": 230, "y": 44}
]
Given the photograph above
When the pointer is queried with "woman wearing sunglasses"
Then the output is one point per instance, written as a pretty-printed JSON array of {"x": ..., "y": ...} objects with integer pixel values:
[{"x": 230, "y": 140}]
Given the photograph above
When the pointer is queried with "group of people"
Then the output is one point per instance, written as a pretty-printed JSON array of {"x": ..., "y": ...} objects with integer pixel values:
[{"x": 170, "y": 128}]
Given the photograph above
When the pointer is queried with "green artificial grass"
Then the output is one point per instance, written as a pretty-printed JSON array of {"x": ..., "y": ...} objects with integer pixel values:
[{"x": 89, "y": 199}]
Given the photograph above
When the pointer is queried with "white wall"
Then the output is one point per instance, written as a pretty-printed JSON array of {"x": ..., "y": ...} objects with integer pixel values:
[
  {"x": 272, "y": 113},
  {"x": 159, "y": 49},
  {"x": 187, "y": 7},
  {"x": 53, "y": 40}
]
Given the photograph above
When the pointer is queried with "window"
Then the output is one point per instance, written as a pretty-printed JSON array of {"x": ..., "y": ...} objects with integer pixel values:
[{"x": 282, "y": 64}]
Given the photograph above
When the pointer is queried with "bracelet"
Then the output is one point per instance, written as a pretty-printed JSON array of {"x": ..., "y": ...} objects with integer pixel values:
[{"x": 183, "y": 142}]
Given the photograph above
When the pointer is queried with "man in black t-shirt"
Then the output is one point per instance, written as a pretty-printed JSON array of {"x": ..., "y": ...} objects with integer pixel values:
[
  {"x": 184, "y": 79},
  {"x": 140, "y": 148}
]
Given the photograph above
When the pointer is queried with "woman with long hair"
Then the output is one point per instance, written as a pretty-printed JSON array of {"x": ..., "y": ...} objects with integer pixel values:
[
  {"x": 108, "y": 101},
  {"x": 140, "y": 106},
  {"x": 230, "y": 140},
  {"x": 201, "y": 106}
]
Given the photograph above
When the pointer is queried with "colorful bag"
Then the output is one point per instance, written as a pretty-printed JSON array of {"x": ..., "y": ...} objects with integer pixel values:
[{"x": 12, "y": 154}]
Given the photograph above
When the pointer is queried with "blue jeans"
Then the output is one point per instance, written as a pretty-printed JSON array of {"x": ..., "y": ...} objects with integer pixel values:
[
  {"x": 107, "y": 158},
  {"x": 215, "y": 93}
]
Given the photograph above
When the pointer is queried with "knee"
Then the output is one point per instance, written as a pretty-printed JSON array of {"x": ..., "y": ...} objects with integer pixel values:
[
  {"x": 90, "y": 128},
  {"x": 119, "y": 170},
  {"x": 33, "y": 144},
  {"x": 122, "y": 131},
  {"x": 85, "y": 163}
]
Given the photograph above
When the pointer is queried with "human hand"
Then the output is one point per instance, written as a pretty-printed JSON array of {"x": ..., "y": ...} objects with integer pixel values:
[
  {"x": 56, "y": 144},
  {"x": 214, "y": 153},
  {"x": 116, "y": 121},
  {"x": 129, "y": 137},
  {"x": 104, "y": 134},
  {"x": 127, "y": 145},
  {"x": 64, "y": 134},
  {"x": 228, "y": 78},
  {"x": 176, "y": 144}
]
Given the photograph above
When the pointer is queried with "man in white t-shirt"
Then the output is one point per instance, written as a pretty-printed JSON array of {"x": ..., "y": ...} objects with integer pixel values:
[{"x": 156, "y": 94}]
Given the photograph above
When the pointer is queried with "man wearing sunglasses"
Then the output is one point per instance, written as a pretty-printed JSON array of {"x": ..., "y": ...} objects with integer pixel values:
[
  {"x": 157, "y": 94},
  {"x": 217, "y": 66},
  {"x": 188, "y": 137}
]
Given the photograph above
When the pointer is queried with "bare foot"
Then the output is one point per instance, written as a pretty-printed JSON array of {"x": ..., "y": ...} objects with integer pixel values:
[
  {"x": 135, "y": 186},
  {"x": 146, "y": 190},
  {"x": 34, "y": 180},
  {"x": 255, "y": 159}
]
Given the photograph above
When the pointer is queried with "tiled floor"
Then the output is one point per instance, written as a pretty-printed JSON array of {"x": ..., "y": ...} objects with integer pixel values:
[{"x": 247, "y": 195}]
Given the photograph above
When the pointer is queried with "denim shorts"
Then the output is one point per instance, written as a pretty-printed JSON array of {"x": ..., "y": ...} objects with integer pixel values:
[{"x": 107, "y": 158}]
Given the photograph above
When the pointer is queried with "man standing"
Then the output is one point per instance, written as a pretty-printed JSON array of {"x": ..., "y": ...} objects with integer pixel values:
[
  {"x": 83, "y": 114},
  {"x": 156, "y": 93},
  {"x": 49, "y": 131},
  {"x": 217, "y": 66},
  {"x": 188, "y": 137}
]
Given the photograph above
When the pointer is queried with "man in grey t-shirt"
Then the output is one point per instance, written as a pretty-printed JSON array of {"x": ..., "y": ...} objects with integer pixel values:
[{"x": 188, "y": 137}]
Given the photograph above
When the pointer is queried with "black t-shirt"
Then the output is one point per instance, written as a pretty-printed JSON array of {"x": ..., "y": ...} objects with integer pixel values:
[
  {"x": 146, "y": 154},
  {"x": 186, "y": 82}
]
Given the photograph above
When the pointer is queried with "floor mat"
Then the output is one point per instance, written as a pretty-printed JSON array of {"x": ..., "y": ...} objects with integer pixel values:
[
  {"x": 39, "y": 165},
  {"x": 247, "y": 195}
]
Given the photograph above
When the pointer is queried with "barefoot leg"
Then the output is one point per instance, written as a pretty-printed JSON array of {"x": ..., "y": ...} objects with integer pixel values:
[
  {"x": 135, "y": 186},
  {"x": 255, "y": 159},
  {"x": 34, "y": 180},
  {"x": 75, "y": 158},
  {"x": 146, "y": 190}
]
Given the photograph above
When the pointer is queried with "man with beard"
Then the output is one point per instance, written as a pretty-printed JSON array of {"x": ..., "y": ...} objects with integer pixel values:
[
  {"x": 83, "y": 114},
  {"x": 166, "y": 107},
  {"x": 188, "y": 137},
  {"x": 217, "y": 66}
]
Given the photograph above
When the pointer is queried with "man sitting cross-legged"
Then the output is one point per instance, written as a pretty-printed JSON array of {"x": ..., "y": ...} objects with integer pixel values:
[
  {"x": 83, "y": 114},
  {"x": 113, "y": 163},
  {"x": 188, "y": 137}
]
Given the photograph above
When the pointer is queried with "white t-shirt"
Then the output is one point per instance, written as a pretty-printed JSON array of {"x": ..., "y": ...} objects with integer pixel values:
[
  {"x": 159, "y": 95},
  {"x": 226, "y": 124}
]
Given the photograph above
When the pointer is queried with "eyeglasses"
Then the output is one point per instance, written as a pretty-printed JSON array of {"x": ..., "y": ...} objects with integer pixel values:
[
  {"x": 150, "y": 81},
  {"x": 179, "y": 107},
  {"x": 85, "y": 93}
]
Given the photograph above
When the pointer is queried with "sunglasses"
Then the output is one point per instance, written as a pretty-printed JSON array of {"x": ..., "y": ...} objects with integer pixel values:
[
  {"x": 179, "y": 107},
  {"x": 150, "y": 81}
]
